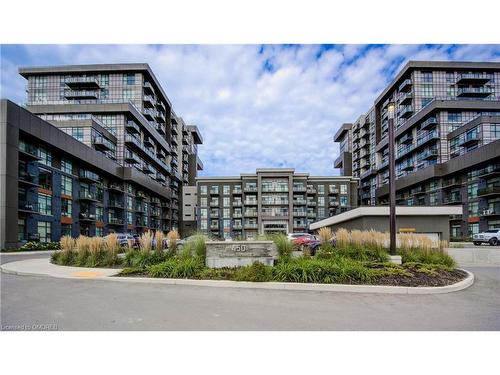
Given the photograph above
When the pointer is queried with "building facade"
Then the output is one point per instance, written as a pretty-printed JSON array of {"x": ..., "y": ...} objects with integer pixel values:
[
  {"x": 121, "y": 111},
  {"x": 270, "y": 200},
  {"x": 447, "y": 135}
]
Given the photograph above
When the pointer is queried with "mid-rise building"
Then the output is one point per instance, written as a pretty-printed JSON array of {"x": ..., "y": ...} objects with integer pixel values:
[
  {"x": 447, "y": 136},
  {"x": 270, "y": 200},
  {"x": 121, "y": 111},
  {"x": 344, "y": 161}
]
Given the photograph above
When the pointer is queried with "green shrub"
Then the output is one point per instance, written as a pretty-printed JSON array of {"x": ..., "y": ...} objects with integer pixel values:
[
  {"x": 256, "y": 272},
  {"x": 32, "y": 246},
  {"x": 178, "y": 268},
  {"x": 311, "y": 270},
  {"x": 283, "y": 245},
  {"x": 130, "y": 271},
  {"x": 141, "y": 259},
  {"x": 427, "y": 257}
]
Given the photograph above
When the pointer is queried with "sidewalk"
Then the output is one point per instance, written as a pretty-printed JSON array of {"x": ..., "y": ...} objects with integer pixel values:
[{"x": 43, "y": 267}]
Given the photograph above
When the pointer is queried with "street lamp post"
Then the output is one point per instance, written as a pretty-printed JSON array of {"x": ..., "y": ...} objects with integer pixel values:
[{"x": 392, "y": 179}]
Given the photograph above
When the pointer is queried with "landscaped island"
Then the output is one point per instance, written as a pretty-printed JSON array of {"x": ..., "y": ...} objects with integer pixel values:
[{"x": 353, "y": 257}]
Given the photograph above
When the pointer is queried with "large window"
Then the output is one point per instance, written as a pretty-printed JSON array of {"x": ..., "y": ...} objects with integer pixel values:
[
  {"x": 343, "y": 189},
  {"x": 204, "y": 213},
  {"x": 226, "y": 189},
  {"x": 66, "y": 166},
  {"x": 343, "y": 201},
  {"x": 45, "y": 204},
  {"x": 45, "y": 156},
  {"x": 45, "y": 179},
  {"x": 66, "y": 207},
  {"x": 44, "y": 230},
  {"x": 495, "y": 131},
  {"x": 203, "y": 189},
  {"x": 66, "y": 229},
  {"x": 129, "y": 78},
  {"x": 472, "y": 190},
  {"x": 473, "y": 229},
  {"x": 66, "y": 185},
  {"x": 226, "y": 202},
  {"x": 473, "y": 209},
  {"x": 427, "y": 77},
  {"x": 203, "y": 202}
]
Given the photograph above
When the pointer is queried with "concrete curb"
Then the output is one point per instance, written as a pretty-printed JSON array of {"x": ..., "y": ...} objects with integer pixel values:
[
  {"x": 468, "y": 281},
  {"x": 35, "y": 252}
]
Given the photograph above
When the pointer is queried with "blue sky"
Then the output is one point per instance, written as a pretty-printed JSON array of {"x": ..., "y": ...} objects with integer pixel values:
[{"x": 256, "y": 105}]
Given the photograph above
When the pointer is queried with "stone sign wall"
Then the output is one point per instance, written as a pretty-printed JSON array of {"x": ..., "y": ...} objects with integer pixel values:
[{"x": 240, "y": 253}]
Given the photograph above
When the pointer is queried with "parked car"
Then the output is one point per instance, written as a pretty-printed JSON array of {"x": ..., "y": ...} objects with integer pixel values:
[
  {"x": 304, "y": 239},
  {"x": 123, "y": 238},
  {"x": 491, "y": 236},
  {"x": 293, "y": 236}
]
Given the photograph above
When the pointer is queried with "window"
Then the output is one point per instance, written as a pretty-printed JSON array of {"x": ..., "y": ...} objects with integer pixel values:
[
  {"x": 130, "y": 219},
  {"x": 433, "y": 198},
  {"x": 45, "y": 179},
  {"x": 44, "y": 230},
  {"x": 226, "y": 213},
  {"x": 203, "y": 201},
  {"x": 321, "y": 189},
  {"x": 45, "y": 204},
  {"x": 66, "y": 230},
  {"x": 99, "y": 213},
  {"x": 45, "y": 156},
  {"x": 456, "y": 231},
  {"x": 226, "y": 202},
  {"x": 473, "y": 229},
  {"x": 343, "y": 201},
  {"x": 66, "y": 166},
  {"x": 21, "y": 229},
  {"x": 66, "y": 207},
  {"x": 226, "y": 189},
  {"x": 203, "y": 189},
  {"x": 472, "y": 190},
  {"x": 473, "y": 209},
  {"x": 66, "y": 185},
  {"x": 427, "y": 91},
  {"x": 99, "y": 231},
  {"x": 454, "y": 117},
  {"x": 321, "y": 201},
  {"x": 128, "y": 94},
  {"x": 450, "y": 77},
  {"x": 495, "y": 131},
  {"x": 129, "y": 78},
  {"x": 321, "y": 212},
  {"x": 214, "y": 189},
  {"x": 104, "y": 81},
  {"x": 203, "y": 224},
  {"x": 343, "y": 189},
  {"x": 204, "y": 213},
  {"x": 427, "y": 77},
  {"x": 493, "y": 224}
]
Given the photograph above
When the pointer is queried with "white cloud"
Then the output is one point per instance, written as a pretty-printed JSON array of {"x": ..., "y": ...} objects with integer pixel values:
[{"x": 252, "y": 117}]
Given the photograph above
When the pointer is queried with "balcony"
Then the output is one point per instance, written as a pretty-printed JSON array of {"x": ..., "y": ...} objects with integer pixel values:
[
  {"x": 431, "y": 121},
  {"x": 311, "y": 203},
  {"x": 26, "y": 178},
  {"x": 149, "y": 113},
  {"x": 237, "y": 191},
  {"x": 27, "y": 207},
  {"x": 405, "y": 111},
  {"x": 492, "y": 210},
  {"x": 488, "y": 172},
  {"x": 28, "y": 152},
  {"x": 132, "y": 127},
  {"x": 214, "y": 204},
  {"x": 174, "y": 130},
  {"x": 214, "y": 213},
  {"x": 452, "y": 199},
  {"x": 405, "y": 85},
  {"x": 311, "y": 191},
  {"x": 299, "y": 202},
  {"x": 299, "y": 213},
  {"x": 250, "y": 213},
  {"x": 81, "y": 94},
  {"x": 431, "y": 136},
  {"x": 473, "y": 78},
  {"x": 429, "y": 154},
  {"x": 474, "y": 92},
  {"x": 103, "y": 144},
  {"x": 86, "y": 195},
  {"x": 148, "y": 88},
  {"x": 131, "y": 157},
  {"x": 86, "y": 175},
  {"x": 174, "y": 161},
  {"x": 251, "y": 225},
  {"x": 115, "y": 220},
  {"x": 130, "y": 139},
  {"x": 214, "y": 192},
  {"x": 299, "y": 189},
  {"x": 160, "y": 116},
  {"x": 452, "y": 182},
  {"x": 149, "y": 101},
  {"x": 146, "y": 168},
  {"x": 251, "y": 202},
  {"x": 160, "y": 129},
  {"x": 407, "y": 166},
  {"x": 468, "y": 139},
  {"x": 140, "y": 194},
  {"x": 299, "y": 225},
  {"x": 85, "y": 216},
  {"x": 488, "y": 191},
  {"x": 161, "y": 178},
  {"x": 405, "y": 139},
  {"x": 148, "y": 142},
  {"x": 237, "y": 214},
  {"x": 406, "y": 98},
  {"x": 333, "y": 203},
  {"x": 237, "y": 204},
  {"x": 82, "y": 82},
  {"x": 275, "y": 202},
  {"x": 250, "y": 189},
  {"x": 311, "y": 215}
]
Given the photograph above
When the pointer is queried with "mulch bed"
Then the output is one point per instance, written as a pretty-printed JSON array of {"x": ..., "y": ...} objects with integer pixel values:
[{"x": 438, "y": 278}]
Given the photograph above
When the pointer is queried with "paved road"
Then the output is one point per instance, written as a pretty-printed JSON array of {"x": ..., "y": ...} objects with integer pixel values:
[{"x": 104, "y": 305}]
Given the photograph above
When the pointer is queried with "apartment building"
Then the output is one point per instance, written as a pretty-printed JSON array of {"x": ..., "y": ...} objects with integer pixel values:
[
  {"x": 447, "y": 135},
  {"x": 270, "y": 200},
  {"x": 344, "y": 161},
  {"x": 122, "y": 112}
]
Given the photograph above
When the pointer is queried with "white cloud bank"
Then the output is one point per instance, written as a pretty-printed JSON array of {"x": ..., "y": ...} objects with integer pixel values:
[{"x": 256, "y": 106}]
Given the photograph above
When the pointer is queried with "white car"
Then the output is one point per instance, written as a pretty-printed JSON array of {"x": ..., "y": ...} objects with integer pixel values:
[{"x": 491, "y": 236}]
